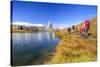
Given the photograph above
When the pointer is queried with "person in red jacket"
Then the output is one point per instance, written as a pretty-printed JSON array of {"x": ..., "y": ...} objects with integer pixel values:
[
  {"x": 81, "y": 31},
  {"x": 86, "y": 26}
]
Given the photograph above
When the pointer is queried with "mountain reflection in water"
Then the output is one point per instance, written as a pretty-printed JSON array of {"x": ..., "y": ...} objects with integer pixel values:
[{"x": 29, "y": 48}]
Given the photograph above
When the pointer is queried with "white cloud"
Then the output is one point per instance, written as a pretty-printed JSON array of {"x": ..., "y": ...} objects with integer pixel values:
[
  {"x": 63, "y": 25},
  {"x": 26, "y": 24}
]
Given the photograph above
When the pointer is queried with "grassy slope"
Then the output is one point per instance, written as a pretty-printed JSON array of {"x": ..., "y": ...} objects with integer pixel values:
[{"x": 73, "y": 48}]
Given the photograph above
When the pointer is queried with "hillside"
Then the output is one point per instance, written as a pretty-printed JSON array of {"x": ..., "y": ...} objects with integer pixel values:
[
  {"x": 74, "y": 48},
  {"x": 26, "y": 29}
]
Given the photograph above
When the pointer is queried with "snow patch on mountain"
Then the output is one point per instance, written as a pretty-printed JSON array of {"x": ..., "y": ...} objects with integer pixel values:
[{"x": 27, "y": 24}]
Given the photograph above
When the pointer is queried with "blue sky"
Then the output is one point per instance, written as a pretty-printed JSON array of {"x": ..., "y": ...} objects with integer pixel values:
[{"x": 58, "y": 14}]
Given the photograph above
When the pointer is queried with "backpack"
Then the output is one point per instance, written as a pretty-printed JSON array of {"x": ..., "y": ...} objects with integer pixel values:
[{"x": 87, "y": 24}]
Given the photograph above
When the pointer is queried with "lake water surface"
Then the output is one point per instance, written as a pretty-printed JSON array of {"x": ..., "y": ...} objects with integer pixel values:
[{"x": 31, "y": 48}]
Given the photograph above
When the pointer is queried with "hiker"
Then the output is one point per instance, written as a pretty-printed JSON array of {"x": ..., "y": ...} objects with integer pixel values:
[
  {"x": 86, "y": 26},
  {"x": 73, "y": 27},
  {"x": 81, "y": 31},
  {"x": 76, "y": 30},
  {"x": 69, "y": 29},
  {"x": 85, "y": 29}
]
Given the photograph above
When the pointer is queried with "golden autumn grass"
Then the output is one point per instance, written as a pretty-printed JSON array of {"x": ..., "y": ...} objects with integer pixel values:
[{"x": 73, "y": 48}]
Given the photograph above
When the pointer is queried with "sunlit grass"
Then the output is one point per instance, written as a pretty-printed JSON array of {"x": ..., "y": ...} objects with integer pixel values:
[{"x": 73, "y": 48}]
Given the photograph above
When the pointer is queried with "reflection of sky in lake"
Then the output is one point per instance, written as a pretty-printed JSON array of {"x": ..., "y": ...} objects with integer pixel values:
[{"x": 33, "y": 43}]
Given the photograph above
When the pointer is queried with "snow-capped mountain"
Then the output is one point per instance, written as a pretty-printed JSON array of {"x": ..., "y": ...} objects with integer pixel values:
[{"x": 27, "y": 24}]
